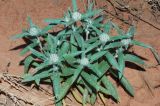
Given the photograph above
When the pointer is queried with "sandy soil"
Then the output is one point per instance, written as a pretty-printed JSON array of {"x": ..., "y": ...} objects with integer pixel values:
[{"x": 13, "y": 15}]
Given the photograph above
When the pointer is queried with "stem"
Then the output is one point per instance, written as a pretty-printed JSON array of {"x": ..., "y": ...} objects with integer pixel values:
[{"x": 40, "y": 44}]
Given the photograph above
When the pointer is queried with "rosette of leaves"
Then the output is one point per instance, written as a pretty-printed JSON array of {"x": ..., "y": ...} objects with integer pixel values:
[{"x": 80, "y": 57}]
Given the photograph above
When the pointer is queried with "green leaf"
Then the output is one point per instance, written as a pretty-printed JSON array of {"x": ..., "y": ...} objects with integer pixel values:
[
  {"x": 131, "y": 31},
  {"x": 67, "y": 71},
  {"x": 107, "y": 27},
  {"x": 53, "y": 21},
  {"x": 37, "y": 54},
  {"x": 91, "y": 13},
  {"x": 113, "y": 45},
  {"x": 155, "y": 53},
  {"x": 37, "y": 81},
  {"x": 119, "y": 31},
  {"x": 24, "y": 34},
  {"x": 74, "y": 5},
  {"x": 92, "y": 46},
  {"x": 134, "y": 59},
  {"x": 121, "y": 62},
  {"x": 64, "y": 48},
  {"x": 27, "y": 62},
  {"x": 85, "y": 97},
  {"x": 69, "y": 82},
  {"x": 46, "y": 29},
  {"x": 93, "y": 98},
  {"x": 42, "y": 65},
  {"x": 127, "y": 86},
  {"x": 37, "y": 76},
  {"x": 112, "y": 60},
  {"x": 73, "y": 44},
  {"x": 97, "y": 55},
  {"x": 102, "y": 68},
  {"x": 56, "y": 87},
  {"x": 91, "y": 40},
  {"x": 26, "y": 49},
  {"x": 119, "y": 37},
  {"x": 30, "y": 21},
  {"x": 79, "y": 40},
  {"x": 72, "y": 54},
  {"x": 112, "y": 89},
  {"x": 86, "y": 77},
  {"x": 77, "y": 96}
]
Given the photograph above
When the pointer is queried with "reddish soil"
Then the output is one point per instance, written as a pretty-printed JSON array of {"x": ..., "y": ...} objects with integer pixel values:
[{"x": 13, "y": 19}]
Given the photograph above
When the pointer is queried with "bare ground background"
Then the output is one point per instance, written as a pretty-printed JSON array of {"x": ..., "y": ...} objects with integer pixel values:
[{"x": 13, "y": 15}]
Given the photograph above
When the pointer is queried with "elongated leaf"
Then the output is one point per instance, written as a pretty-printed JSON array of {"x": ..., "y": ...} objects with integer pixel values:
[
  {"x": 131, "y": 31},
  {"x": 67, "y": 71},
  {"x": 108, "y": 84},
  {"x": 93, "y": 98},
  {"x": 103, "y": 68},
  {"x": 69, "y": 82},
  {"x": 73, "y": 44},
  {"x": 53, "y": 21},
  {"x": 121, "y": 62},
  {"x": 112, "y": 60},
  {"x": 74, "y": 5},
  {"x": 37, "y": 54},
  {"x": 72, "y": 54},
  {"x": 24, "y": 34},
  {"x": 40, "y": 75},
  {"x": 135, "y": 59},
  {"x": 92, "y": 46},
  {"x": 119, "y": 31},
  {"x": 42, "y": 65},
  {"x": 85, "y": 97},
  {"x": 46, "y": 29},
  {"x": 79, "y": 40},
  {"x": 155, "y": 53},
  {"x": 91, "y": 40},
  {"x": 91, "y": 13},
  {"x": 37, "y": 81},
  {"x": 30, "y": 21},
  {"x": 77, "y": 96},
  {"x": 107, "y": 27},
  {"x": 56, "y": 87},
  {"x": 119, "y": 37},
  {"x": 127, "y": 86},
  {"x": 64, "y": 48},
  {"x": 97, "y": 55},
  {"x": 50, "y": 43},
  {"x": 27, "y": 62},
  {"x": 86, "y": 77},
  {"x": 113, "y": 45},
  {"x": 26, "y": 49}
]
